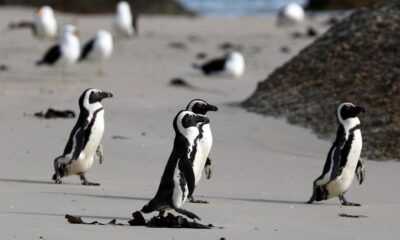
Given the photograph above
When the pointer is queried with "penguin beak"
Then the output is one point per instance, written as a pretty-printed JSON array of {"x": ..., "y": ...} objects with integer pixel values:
[
  {"x": 202, "y": 119},
  {"x": 212, "y": 108},
  {"x": 106, "y": 95},
  {"x": 359, "y": 109}
]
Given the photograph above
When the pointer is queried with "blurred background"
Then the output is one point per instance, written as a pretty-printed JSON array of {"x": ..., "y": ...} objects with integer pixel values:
[{"x": 203, "y": 7}]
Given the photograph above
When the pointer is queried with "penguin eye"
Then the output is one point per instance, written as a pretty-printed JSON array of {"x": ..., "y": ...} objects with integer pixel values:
[{"x": 347, "y": 107}]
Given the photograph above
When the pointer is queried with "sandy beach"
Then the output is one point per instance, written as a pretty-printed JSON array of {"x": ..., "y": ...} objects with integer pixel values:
[{"x": 263, "y": 167}]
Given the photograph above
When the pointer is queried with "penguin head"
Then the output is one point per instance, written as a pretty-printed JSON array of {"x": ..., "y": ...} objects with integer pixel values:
[
  {"x": 199, "y": 106},
  {"x": 91, "y": 98},
  {"x": 187, "y": 122},
  {"x": 348, "y": 111}
]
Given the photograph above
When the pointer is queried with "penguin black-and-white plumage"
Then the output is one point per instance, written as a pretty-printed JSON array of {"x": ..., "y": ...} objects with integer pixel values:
[
  {"x": 66, "y": 52},
  {"x": 84, "y": 141},
  {"x": 343, "y": 160},
  {"x": 202, "y": 160},
  {"x": 178, "y": 179},
  {"x": 231, "y": 64}
]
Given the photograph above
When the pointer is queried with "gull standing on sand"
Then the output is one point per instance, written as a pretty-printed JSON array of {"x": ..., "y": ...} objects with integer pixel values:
[
  {"x": 231, "y": 64},
  {"x": 98, "y": 48},
  {"x": 66, "y": 52},
  {"x": 45, "y": 25},
  {"x": 124, "y": 22},
  {"x": 292, "y": 13}
]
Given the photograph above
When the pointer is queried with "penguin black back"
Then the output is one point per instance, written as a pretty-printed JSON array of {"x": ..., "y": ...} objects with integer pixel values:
[{"x": 184, "y": 125}]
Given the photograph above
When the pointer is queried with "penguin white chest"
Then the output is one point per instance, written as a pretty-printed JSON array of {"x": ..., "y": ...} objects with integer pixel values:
[
  {"x": 96, "y": 134},
  {"x": 86, "y": 157},
  {"x": 181, "y": 190},
  {"x": 203, "y": 150},
  {"x": 343, "y": 182}
]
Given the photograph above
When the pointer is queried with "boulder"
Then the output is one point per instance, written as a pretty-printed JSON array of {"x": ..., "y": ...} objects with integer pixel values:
[{"x": 357, "y": 60}]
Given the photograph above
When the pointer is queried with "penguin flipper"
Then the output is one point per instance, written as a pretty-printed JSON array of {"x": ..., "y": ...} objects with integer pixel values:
[
  {"x": 99, "y": 153},
  {"x": 208, "y": 168},
  {"x": 337, "y": 154},
  {"x": 79, "y": 142},
  {"x": 186, "y": 168},
  {"x": 360, "y": 172}
]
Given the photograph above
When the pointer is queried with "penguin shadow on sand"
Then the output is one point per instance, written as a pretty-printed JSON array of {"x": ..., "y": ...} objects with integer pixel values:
[
  {"x": 29, "y": 181},
  {"x": 63, "y": 215},
  {"x": 259, "y": 200},
  {"x": 101, "y": 196}
]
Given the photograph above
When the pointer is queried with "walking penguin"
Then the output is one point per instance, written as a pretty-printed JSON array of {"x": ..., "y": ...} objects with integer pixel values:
[
  {"x": 178, "y": 179},
  {"x": 84, "y": 140},
  {"x": 343, "y": 159},
  {"x": 202, "y": 160}
]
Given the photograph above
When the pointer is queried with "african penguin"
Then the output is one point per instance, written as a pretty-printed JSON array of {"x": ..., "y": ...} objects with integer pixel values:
[
  {"x": 290, "y": 14},
  {"x": 84, "y": 140},
  {"x": 66, "y": 52},
  {"x": 178, "y": 179},
  {"x": 202, "y": 160},
  {"x": 124, "y": 22},
  {"x": 232, "y": 64},
  {"x": 45, "y": 24},
  {"x": 343, "y": 159}
]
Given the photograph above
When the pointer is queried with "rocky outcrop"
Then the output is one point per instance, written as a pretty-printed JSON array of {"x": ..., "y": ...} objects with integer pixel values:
[
  {"x": 357, "y": 60},
  {"x": 339, "y": 4},
  {"x": 105, "y": 6}
]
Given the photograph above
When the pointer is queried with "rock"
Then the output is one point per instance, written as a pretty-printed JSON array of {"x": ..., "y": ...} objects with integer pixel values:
[
  {"x": 357, "y": 60},
  {"x": 53, "y": 113}
]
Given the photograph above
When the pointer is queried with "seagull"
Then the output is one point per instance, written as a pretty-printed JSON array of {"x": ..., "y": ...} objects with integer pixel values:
[
  {"x": 66, "y": 52},
  {"x": 292, "y": 13},
  {"x": 231, "y": 64},
  {"x": 124, "y": 23},
  {"x": 98, "y": 48},
  {"x": 45, "y": 24}
]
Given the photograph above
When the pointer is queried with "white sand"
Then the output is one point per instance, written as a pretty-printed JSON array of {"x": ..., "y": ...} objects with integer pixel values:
[{"x": 263, "y": 167}]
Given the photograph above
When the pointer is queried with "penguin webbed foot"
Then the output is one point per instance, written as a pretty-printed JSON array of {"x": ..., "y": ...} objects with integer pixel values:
[
  {"x": 187, "y": 213},
  {"x": 85, "y": 182},
  {"x": 344, "y": 202},
  {"x": 56, "y": 178},
  {"x": 312, "y": 198},
  {"x": 192, "y": 200}
]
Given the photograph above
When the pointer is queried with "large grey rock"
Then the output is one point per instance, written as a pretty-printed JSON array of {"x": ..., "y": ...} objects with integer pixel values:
[{"x": 357, "y": 60}]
